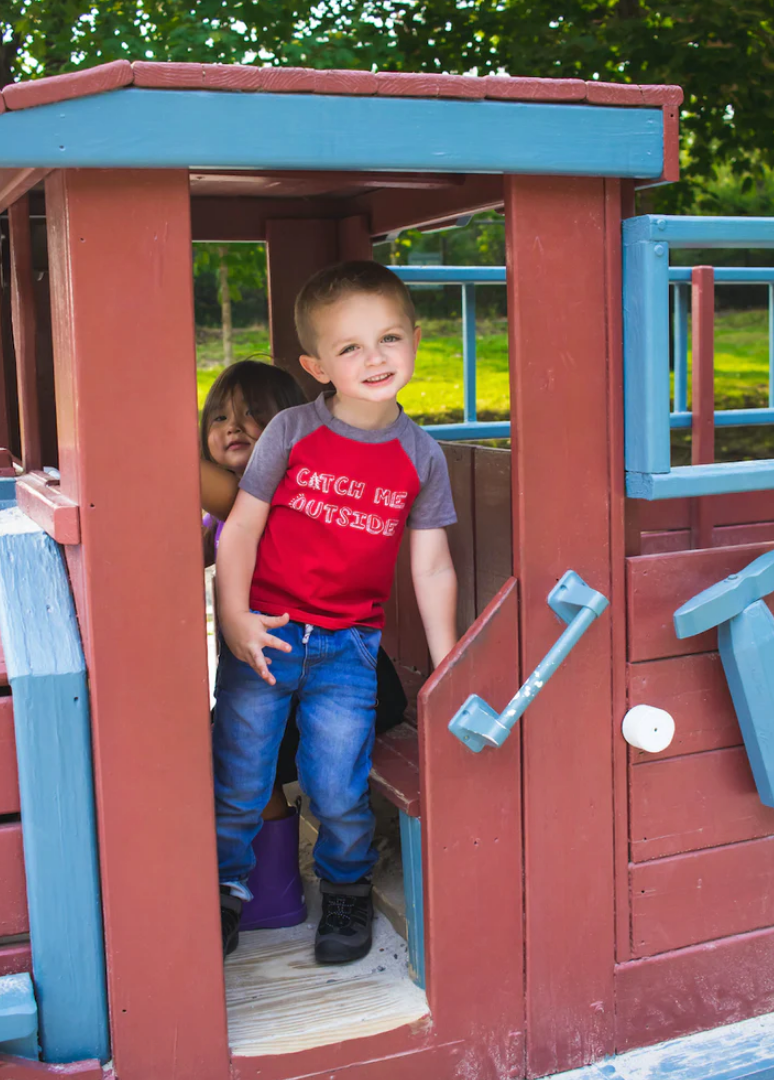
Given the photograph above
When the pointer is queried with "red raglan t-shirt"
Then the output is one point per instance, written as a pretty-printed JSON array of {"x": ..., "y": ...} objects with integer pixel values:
[{"x": 340, "y": 499}]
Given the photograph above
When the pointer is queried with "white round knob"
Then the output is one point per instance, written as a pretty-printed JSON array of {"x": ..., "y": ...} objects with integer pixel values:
[{"x": 648, "y": 728}]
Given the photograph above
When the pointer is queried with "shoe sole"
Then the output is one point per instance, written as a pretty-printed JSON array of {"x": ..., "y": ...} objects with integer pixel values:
[
  {"x": 341, "y": 954},
  {"x": 232, "y": 946}
]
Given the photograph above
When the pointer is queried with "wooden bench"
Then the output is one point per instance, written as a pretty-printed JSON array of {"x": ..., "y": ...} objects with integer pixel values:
[{"x": 395, "y": 768}]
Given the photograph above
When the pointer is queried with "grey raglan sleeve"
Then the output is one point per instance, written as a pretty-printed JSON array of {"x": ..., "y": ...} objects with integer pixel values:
[
  {"x": 269, "y": 460},
  {"x": 433, "y": 507}
]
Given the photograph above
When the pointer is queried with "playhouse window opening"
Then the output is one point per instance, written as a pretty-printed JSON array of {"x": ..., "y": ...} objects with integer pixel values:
[{"x": 742, "y": 373}]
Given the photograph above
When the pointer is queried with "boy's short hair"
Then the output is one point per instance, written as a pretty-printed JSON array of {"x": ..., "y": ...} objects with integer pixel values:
[{"x": 332, "y": 283}]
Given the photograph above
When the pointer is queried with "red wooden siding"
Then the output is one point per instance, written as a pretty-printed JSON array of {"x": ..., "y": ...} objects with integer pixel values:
[
  {"x": 699, "y": 801},
  {"x": 14, "y": 958},
  {"x": 9, "y": 782},
  {"x": 13, "y": 895},
  {"x": 693, "y": 689},
  {"x": 658, "y": 584},
  {"x": 702, "y": 896}
]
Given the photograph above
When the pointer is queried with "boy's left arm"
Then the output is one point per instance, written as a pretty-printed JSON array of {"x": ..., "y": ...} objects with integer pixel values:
[{"x": 435, "y": 585}]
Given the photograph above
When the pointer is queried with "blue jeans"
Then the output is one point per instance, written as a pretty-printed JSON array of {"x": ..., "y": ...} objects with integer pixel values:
[{"x": 332, "y": 674}]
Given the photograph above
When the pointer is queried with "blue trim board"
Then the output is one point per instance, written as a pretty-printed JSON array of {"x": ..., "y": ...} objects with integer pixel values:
[
  {"x": 726, "y": 275},
  {"x": 743, "y": 1051},
  {"x": 476, "y": 429},
  {"x": 143, "y": 128},
  {"x": 700, "y": 232},
  {"x": 450, "y": 275},
  {"x": 722, "y": 478},
  {"x": 47, "y": 673},
  {"x": 727, "y": 418},
  {"x": 413, "y": 889},
  {"x": 18, "y": 1017}
]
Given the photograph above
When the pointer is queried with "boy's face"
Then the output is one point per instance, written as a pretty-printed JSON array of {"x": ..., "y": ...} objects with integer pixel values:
[{"x": 366, "y": 346}]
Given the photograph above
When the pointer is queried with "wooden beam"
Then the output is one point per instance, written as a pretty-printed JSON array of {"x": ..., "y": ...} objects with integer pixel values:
[
  {"x": 25, "y": 333},
  {"x": 17, "y": 182}
]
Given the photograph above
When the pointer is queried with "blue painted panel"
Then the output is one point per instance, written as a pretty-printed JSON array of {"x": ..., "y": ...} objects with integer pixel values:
[
  {"x": 47, "y": 674},
  {"x": 646, "y": 352},
  {"x": 18, "y": 1017},
  {"x": 481, "y": 429},
  {"x": 181, "y": 128},
  {"x": 469, "y": 352},
  {"x": 700, "y": 232},
  {"x": 719, "y": 479},
  {"x": 7, "y": 492},
  {"x": 450, "y": 275},
  {"x": 680, "y": 346},
  {"x": 411, "y": 852}
]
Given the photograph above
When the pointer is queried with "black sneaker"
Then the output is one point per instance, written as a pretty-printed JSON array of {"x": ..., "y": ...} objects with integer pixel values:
[
  {"x": 344, "y": 933},
  {"x": 230, "y": 914}
]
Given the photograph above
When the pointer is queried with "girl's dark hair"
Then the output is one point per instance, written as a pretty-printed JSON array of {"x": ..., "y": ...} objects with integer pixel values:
[{"x": 267, "y": 390}]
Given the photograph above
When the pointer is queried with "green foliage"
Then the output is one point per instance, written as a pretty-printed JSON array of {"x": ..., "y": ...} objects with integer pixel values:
[{"x": 246, "y": 264}]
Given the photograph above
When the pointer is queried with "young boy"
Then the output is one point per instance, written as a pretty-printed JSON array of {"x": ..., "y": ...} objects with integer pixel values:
[{"x": 305, "y": 565}]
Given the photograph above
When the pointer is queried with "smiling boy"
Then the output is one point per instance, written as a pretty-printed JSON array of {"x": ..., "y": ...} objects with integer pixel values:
[{"x": 311, "y": 545}]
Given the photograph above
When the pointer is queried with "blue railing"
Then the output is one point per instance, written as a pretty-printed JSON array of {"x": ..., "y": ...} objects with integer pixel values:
[
  {"x": 680, "y": 283},
  {"x": 467, "y": 277}
]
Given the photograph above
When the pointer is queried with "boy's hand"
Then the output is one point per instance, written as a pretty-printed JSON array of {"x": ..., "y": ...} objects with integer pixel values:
[{"x": 247, "y": 635}]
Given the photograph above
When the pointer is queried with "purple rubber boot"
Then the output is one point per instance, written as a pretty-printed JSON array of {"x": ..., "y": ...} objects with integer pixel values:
[{"x": 278, "y": 895}]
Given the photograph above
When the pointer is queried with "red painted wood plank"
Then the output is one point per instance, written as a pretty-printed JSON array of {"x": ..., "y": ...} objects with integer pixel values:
[
  {"x": 288, "y": 80},
  {"x": 603, "y": 93},
  {"x": 395, "y": 768},
  {"x": 16, "y": 1068},
  {"x": 15, "y": 958},
  {"x": 492, "y": 522},
  {"x": 614, "y": 197},
  {"x": 694, "y": 989},
  {"x": 411, "y": 1053},
  {"x": 119, "y": 243},
  {"x": 25, "y": 332},
  {"x": 517, "y": 88},
  {"x": 658, "y": 543},
  {"x": 693, "y": 689},
  {"x": 17, "y": 182},
  {"x": 13, "y": 891},
  {"x": 701, "y": 896},
  {"x": 9, "y": 780},
  {"x": 459, "y": 460},
  {"x": 3, "y": 668},
  {"x": 166, "y": 75},
  {"x": 460, "y": 86},
  {"x": 39, "y": 497},
  {"x": 738, "y": 509},
  {"x": 658, "y": 584},
  {"x": 2, "y": 104},
  {"x": 562, "y": 510},
  {"x": 662, "y": 95},
  {"x": 406, "y": 84},
  {"x": 722, "y": 536},
  {"x": 359, "y": 83},
  {"x": 471, "y": 843},
  {"x": 702, "y": 393},
  {"x": 412, "y": 643},
  {"x": 96, "y": 80},
  {"x": 390, "y": 210},
  {"x": 671, "y": 120},
  {"x": 695, "y": 802},
  {"x": 233, "y": 77}
]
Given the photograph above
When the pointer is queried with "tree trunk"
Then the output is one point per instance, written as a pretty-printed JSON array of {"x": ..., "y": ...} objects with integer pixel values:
[{"x": 225, "y": 310}]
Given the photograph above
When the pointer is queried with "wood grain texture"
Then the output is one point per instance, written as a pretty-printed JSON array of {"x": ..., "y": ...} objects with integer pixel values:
[
  {"x": 395, "y": 768},
  {"x": 474, "y": 840},
  {"x": 516, "y": 88},
  {"x": 655, "y": 543},
  {"x": 25, "y": 333},
  {"x": 345, "y": 82},
  {"x": 671, "y": 114},
  {"x": 701, "y": 896},
  {"x": 382, "y": 1057},
  {"x": 17, "y": 182},
  {"x": 13, "y": 893},
  {"x": 562, "y": 520},
  {"x": 166, "y": 75},
  {"x": 14, "y": 958},
  {"x": 604, "y": 93},
  {"x": 96, "y": 80},
  {"x": 119, "y": 243},
  {"x": 658, "y": 584},
  {"x": 492, "y": 522},
  {"x": 16, "y": 1068},
  {"x": 694, "y": 989},
  {"x": 287, "y": 80},
  {"x": 689, "y": 803},
  {"x": 9, "y": 780},
  {"x": 693, "y": 689},
  {"x": 740, "y": 509},
  {"x": 702, "y": 393}
]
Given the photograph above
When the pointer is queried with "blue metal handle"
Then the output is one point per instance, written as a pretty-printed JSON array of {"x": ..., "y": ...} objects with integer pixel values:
[{"x": 476, "y": 723}]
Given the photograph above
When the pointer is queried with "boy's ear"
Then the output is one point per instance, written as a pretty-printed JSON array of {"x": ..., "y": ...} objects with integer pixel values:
[
  {"x": 313, "y": 366},
  {"x": 417, "y": 337}
]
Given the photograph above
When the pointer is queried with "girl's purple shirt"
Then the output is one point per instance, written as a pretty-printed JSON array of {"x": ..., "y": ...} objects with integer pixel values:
[{"x": 208, "y": 521}]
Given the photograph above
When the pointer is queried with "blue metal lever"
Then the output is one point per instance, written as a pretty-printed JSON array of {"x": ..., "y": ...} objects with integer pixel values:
[{"x": 476, "y": 723}]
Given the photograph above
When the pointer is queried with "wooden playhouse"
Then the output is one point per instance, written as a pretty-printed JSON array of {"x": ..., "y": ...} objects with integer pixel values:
[{"x": 568, "y": 897}]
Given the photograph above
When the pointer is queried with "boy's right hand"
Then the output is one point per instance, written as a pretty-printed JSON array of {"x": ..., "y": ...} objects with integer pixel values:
[{"x": 247, "y": 635}]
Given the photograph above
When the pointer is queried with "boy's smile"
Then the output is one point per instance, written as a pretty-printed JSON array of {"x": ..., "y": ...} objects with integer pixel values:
[{"x": 366, "y": 346}]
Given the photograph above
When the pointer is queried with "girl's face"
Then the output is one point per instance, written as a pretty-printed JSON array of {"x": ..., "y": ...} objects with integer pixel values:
[{"x": 233, "y": 434}]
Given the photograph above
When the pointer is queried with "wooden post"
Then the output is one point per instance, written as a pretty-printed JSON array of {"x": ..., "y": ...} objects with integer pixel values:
[
  {"x": 561, "y": 499},
  {"x": 24, "y": 333},
  {"x": 702, "y": 394},
  {"x": 122, "y": 303}
]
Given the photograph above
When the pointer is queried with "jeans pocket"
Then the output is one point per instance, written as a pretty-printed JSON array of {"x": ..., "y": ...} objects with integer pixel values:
[{"x": 367, "y": 643}]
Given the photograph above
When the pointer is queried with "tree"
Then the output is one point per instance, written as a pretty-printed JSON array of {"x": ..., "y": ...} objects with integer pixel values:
[{"x": 238, "y": 266}]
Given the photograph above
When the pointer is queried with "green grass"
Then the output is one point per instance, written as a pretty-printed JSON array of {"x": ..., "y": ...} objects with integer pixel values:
[{"x": 435, "y": 393}]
